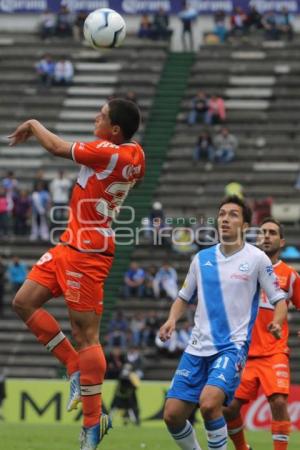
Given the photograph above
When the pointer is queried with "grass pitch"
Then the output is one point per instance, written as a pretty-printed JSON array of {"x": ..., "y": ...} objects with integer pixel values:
[{"x": 149, "y": 436}]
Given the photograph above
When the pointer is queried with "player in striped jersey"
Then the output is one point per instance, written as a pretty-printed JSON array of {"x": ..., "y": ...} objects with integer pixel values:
[
  {"x": 225, "y": 280},
  {"x": 268, "y": 359},
  {"x": 79, "y": 265}
]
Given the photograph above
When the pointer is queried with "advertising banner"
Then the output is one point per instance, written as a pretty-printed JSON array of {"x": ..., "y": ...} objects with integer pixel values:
[
  {"x": 145, "y": 6},
  {"x": 44, "y": 402}
]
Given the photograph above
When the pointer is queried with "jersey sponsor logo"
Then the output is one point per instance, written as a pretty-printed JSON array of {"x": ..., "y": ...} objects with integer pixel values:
[
  {"x": 269, "y": 270},
  {"x": 183, "y": 373},
  {"x": 130, "y": 171},
  {"x": 239, "y": 276},
  {"x": 244, "y": 267}
]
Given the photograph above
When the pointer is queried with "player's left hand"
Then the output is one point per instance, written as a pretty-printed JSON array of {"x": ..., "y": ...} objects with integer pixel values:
[
  {"x": 21, "y": 134},
  {"x": 275, "y": 329}
]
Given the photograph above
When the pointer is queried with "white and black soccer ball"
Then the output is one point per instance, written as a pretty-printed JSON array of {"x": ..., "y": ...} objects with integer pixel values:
[{"x": 104, "y": 28}]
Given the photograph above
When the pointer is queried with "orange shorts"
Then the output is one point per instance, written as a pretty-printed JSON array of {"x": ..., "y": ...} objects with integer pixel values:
[
  {"x": 271, "y": 372},
  {"x": 79, "y": 277}
]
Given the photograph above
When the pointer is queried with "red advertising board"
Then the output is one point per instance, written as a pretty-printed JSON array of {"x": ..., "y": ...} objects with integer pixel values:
[{"x": 257, "y": 414}]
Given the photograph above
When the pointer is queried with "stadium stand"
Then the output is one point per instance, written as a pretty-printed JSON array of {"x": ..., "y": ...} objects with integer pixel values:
[{"x": 261, "y": 92}]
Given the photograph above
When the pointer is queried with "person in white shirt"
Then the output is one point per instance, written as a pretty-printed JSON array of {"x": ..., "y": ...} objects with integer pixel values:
[
  {"x": 60, "y": 193},
  {"x": 63, "y": 72},
  {"x": 165, "y": 279},
  {"x": 225, "y": 279}
]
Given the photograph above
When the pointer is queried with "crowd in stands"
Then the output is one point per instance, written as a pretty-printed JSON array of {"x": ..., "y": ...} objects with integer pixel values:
[
  {"x": 63, "y": 24},
  {"x": 58, "y": 73},
  {"x": 151, "y": 283},
  {"x": 274, "y": 24}
]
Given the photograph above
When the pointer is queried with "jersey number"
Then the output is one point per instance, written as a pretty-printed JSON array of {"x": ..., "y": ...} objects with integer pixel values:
[
  {"x": 118, "y": 191},
  {"x": 221, "y": 362}
]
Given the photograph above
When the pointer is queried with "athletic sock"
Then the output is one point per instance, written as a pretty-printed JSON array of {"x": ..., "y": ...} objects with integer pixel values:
[
  {"x": 280, "y": 434},
  {"x": 236, "y": 433},
  {"x": 216, "y": 431},
  {"x": 92, "y": 366},
  {"x": 186, "y": 437},
  {"x": 48, "y": 332}
]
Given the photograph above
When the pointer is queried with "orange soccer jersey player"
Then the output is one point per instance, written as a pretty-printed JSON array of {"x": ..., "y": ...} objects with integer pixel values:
[
  {"x": 79, "y": 265},
  {"x": 268, "y": 358}
]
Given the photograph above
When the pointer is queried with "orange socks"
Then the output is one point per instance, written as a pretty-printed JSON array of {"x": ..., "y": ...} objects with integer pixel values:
[
  {"x": 92, "y": 366},
  {"x": 280, "y": 434},
  {"x": 236, "y": 432},
  {"x": 48, "y": 332}
]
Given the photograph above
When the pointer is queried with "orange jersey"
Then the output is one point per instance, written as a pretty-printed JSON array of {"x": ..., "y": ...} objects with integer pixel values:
[
  {"x": 263, "y": 343},
  {"x": 107, "y": 174}
]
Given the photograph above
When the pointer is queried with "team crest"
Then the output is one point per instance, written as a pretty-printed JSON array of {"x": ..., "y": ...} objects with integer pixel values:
[{"x": 244, "y": 267}]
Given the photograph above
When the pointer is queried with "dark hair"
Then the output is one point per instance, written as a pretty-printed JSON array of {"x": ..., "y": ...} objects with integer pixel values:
[
  {"x": 246, "y": 210},
  {"x": 276, "y": 222},
  {"x": 126, "y": 114}
]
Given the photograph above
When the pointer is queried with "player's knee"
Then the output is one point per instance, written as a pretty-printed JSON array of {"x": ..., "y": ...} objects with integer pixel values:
[
  {"x": 278, "y": 402},
  {"x": 208, "y": 409},
  {"x": 170, "y": 417}
]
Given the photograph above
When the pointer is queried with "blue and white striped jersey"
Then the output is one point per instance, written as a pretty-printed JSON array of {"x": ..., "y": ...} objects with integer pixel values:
[{"x": 227, "y": 288}]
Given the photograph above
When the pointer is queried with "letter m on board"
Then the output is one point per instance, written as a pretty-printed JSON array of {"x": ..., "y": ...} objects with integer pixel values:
[{"x": 27, "y": 401}]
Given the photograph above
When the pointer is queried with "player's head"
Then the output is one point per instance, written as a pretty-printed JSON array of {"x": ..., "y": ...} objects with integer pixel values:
[
  {"x": 234, "y": 217},
  {"x": 117, "y": 120},
  {"x": 271, "y": 237}
]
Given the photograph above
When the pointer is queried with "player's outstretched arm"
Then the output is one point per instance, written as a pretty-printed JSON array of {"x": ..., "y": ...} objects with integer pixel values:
[
  {"x": 280, "y": 314},
  {"x": 50, "y": 141},
  {"x": 177, "y": 310}
]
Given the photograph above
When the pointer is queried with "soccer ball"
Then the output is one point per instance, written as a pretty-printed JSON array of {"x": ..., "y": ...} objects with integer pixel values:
[{"x": 104, "y": 28}]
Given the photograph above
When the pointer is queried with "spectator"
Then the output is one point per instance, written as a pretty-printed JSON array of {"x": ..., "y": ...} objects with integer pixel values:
[
  {"x": 183, "y": 335},
  {"x": 60, "y": 190},
  {"x": 284, "y": 24},
  {"x": 47, "y": 25},
  {"x": 269, "y": 24},
  {"x": 10, "y": 184},
  {"x": 152, "y": 324},
  {"x": 253, "y": 19},
  {"x": 198, "y": 109},
  {"x": 40, "y": 205},
  {"x": 204, "y": 149},
  {"x": 238, "y": 22},
  {"x": 149, "y": 277},
  {"x": 183, "y": 241},
  {"x": 16, "y": 272},
  {"x": 40, "y": 178},
  {"x": 225, "y": 144},
  {"x": 117, "y": 329},
  {"x": 137, "y": 327},
  {"x": 131, "y": 95},
  {"x": 165, "y": 280},
  {"x": 21, "y": 212},
  {"x": 45, "y": 70},
  {"x": 187, "y": 16},
  {"x": 216, "y": 112},
  {"x": 234, "y": 188},
  {"x": 78, "y": 26},
  {"x": 220, "y": 29},
  {"x": 145, "y": 29},
  {"x": 115, "y": 359},
  {"x": 4, "y": 213},
  {"x": 64, "y": 22},
  {"x": 63, "y": 72},
  {"x": 134, "y": 281},
  {"x": 2, "y": 283},
  {"x": 161, "y": 28}
]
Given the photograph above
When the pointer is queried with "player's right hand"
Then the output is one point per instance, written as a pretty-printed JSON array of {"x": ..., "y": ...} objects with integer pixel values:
[{"x": 166, "y": 330}]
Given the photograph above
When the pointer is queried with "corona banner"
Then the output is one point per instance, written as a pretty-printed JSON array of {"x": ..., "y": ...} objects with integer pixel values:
[{"x": 44, "y": 402}]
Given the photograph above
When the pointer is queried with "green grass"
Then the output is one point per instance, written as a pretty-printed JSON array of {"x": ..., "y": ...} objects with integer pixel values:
[{"x": 148, "y": 437}]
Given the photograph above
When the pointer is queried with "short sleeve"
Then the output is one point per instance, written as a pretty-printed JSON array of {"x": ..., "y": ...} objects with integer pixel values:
[
  {"x": 294, "y": 291},
  {"x": 269, "y": 281},
  {"x": 97, "y": 155},
  {"x": 188, "y": 291}
]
